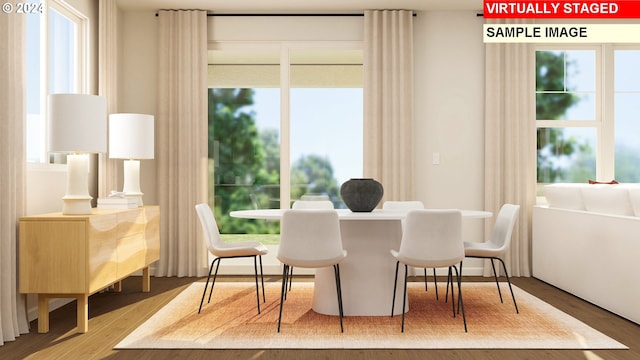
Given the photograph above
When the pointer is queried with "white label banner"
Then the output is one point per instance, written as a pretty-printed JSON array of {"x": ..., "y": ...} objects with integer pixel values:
[{"x": 561, "y": 33}]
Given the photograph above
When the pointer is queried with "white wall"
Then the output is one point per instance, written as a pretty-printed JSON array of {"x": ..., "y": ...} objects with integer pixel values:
[
  {"x": 449, "y": 116},
  {"x": 449, "y": 112}
]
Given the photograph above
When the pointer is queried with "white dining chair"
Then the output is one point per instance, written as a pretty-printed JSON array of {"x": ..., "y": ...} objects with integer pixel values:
[
  {"x": 405, "y": 205},
  {"x": 316, "y": 197},
  {"x": 310, "y": 239},
  {"x": 431, "y": 239},
  {"x": 497, "y": 244},
  {"x": 223, "y": 250},
  {"x": 312, "y": 204},
  {"x": 402, "y": 205}
]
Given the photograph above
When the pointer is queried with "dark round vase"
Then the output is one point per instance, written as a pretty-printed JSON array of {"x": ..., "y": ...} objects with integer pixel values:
[{"x": 361, "y": 195}]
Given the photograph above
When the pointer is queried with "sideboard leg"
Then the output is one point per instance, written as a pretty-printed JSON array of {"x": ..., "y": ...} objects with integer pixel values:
[
  {"x": 146, "y": 280},
  {"x": 83, "y": 313},
  {"x": 43, "y": 313}
]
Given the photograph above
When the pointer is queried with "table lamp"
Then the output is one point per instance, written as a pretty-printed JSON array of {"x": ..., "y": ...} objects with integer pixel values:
[
  {"x": 77, "y": 124},
  {"x": 131, "y": 137}
]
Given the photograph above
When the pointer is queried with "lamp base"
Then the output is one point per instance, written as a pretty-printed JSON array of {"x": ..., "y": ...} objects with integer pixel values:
[
  {"x": 77, "y": 200},
  {"x": 131, "y": 186},
  {"x": 76, "y": 205}
]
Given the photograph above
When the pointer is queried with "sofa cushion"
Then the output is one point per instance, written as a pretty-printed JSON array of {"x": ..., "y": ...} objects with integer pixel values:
[
  {"x": 634, "y": 196},
  {"x": 608, "y": 199},
  {"x": 565, "y": 196}
]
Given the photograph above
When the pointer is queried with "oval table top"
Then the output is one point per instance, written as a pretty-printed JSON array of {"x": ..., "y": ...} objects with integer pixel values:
[{"x": 346, "y": 214}]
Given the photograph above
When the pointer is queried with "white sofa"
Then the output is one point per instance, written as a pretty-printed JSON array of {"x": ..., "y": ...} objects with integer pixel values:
[{"x": 586, "y": 241}]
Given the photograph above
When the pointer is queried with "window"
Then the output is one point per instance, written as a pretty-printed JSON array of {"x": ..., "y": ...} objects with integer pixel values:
[
  {"x": 567, "y": 115},
  {"x": 56, "y": 63},
  {"x": 253, "y": 134},
  {"x": 586, "y": 101}
]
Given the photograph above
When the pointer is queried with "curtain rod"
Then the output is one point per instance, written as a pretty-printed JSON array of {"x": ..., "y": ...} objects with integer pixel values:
[{"x": 284, "y": 14}]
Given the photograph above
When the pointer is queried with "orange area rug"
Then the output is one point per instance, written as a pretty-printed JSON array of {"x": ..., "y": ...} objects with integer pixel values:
[{"x": 231, "y": 321}]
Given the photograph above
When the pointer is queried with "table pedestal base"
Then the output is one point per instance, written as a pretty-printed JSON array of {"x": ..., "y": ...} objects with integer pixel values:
[{"x": 366, "y": 273}]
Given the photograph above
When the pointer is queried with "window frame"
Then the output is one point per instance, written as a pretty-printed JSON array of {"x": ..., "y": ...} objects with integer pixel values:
[
  {"x": 81, "y": 57},
  {"x": 604, "y": 136},
  {"x": 604, "y": 122},
  {"x": 285, "y": 48}
]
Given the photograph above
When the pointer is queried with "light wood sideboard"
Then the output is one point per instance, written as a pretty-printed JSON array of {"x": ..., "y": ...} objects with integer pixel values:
[{"x": 74, "y": 256}]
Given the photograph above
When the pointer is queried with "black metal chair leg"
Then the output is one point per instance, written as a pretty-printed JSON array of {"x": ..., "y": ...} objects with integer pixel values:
[
  {"x": 215, "y": 275},
  {"x": 435, "y": 283},
  {"x": 290, "y": 275},
  {"x": 395, "y": 283},
  {"x": 283, "y": 290},
  {"x": 205, "y": 287},
  {"x": 404, "y": 298},
  {"x": 255, "y": 271},
  {"x": 426, "y": 288},
  {"x": 287, "y": 281},
  {"x": 264, "y": 298},
  {"x": 504, "y": 267},
  {"x": 449, "y": 280},
  {"x": 464, "y": 318},
  {"x": 336, "y": 271},
  {"x": 495, "y": 275},
  {"x": 453, "y": 297},
  {"x": 459, "y": 298}
]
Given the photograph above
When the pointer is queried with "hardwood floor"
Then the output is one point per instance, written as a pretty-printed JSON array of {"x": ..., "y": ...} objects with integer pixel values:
[{"x": 114, "y": 315}]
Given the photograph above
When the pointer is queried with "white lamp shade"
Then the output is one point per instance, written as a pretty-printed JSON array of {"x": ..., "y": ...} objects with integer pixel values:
[
  {"x": 131, "y": 136},
  {"x": 77, "y": 123}
]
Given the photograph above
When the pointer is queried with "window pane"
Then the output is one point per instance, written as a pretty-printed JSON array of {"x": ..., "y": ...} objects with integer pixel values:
[
  {"x": 62, "y": 51},
  {"x": 565, "y": 84},
  {"x": 627, "y": 76},
  {"x": 326, "y": 121},
  {"x": 550, "y": 71},
  {"x": 326, "y": 141},
  {"x": 581, "y": 69},
  {"x": 35, "y": 124},
  {"x": 565, "y": 106},
  {"x": 566, "y": 154},
  {"x": 626, "y": 109},
  {"x": 244, "y": 156},
  {"x": 627, "y": 128}
]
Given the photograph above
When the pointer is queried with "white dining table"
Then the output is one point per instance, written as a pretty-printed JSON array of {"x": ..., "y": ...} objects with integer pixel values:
[{"x": 367, "y": 273}]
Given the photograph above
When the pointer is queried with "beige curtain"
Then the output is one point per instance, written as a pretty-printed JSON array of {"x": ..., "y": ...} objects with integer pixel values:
[
  {"x": 510, "y": 143},
  {"x": 181, "y": 125},
  {"x": 388, "y": 101},
  {"x": 108, "y": 84},
  {"x": 13, "y": 317}
]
